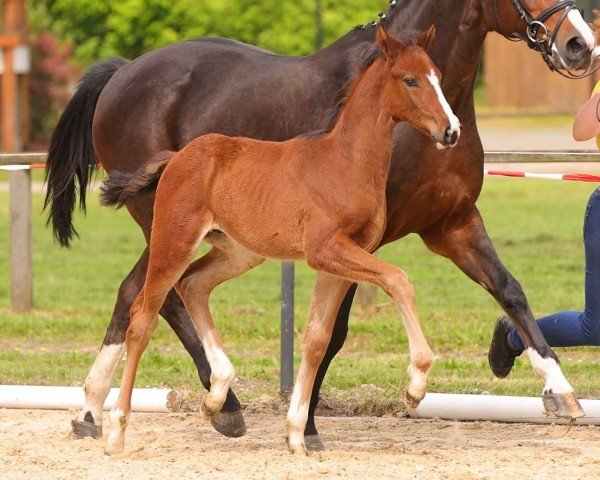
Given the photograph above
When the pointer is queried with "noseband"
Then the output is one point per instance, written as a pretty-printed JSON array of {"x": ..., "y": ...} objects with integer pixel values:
[{"x": 539, "y": 38}]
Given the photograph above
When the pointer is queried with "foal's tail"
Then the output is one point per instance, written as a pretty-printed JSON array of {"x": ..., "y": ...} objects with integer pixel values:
[
  {"x": 119, "y": 188},
  {"x": 71, "y": 157}
]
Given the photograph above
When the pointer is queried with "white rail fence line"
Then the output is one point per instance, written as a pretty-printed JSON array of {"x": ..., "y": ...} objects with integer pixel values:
[{"x": 19, "y": 168}]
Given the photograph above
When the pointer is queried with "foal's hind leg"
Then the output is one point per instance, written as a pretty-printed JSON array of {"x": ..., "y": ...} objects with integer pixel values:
[
  {"x": 341, "y": 256},
  {"x": 169, "y": 257},
  {"x": 225, "y": 261},
  {"x": 229, "y": 422}
]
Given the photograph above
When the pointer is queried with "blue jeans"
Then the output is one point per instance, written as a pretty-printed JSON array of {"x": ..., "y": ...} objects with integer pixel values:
[{"x": 573, "y": 329}]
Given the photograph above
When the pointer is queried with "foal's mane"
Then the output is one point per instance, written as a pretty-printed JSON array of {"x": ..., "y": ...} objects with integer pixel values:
[{"x": 369, "y": 54}]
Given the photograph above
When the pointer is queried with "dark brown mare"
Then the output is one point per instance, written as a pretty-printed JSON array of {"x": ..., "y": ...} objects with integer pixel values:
[
  {"x": 166, "y": 98},
  {"x": 316, "y": 197}
]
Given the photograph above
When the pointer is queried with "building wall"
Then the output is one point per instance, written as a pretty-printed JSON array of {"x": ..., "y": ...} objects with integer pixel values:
[{"x": 516, "y": 78}]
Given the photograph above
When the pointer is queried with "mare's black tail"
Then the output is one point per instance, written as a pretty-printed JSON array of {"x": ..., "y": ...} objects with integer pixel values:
[
  {"x": 71, "y": 157},
  {"x": 119, "y": 188}
]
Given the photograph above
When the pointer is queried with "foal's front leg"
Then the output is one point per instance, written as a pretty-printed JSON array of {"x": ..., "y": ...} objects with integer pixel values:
[
  {"x": 342, "y": 257},
  {"x": 327, "y": 297},
  {"x": 469, "y": 247}
]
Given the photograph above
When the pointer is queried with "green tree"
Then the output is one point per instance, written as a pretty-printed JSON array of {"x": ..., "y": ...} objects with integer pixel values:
[{"x": 130, "y": 28}]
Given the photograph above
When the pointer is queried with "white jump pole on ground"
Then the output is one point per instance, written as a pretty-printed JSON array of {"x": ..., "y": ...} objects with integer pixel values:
[
  {"x": 65, "y": 398},
  {"x": 495, "y": 408}
]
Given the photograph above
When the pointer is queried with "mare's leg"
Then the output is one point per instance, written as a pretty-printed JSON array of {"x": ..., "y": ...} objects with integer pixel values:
[
  {"x": 568, "y": 329},
  {"x": 338, "y": 337},
  {"x": 469, "y": 247},
  {"x": 342, "y": 257},
  {"x": 99, "y": 380},
  {"x": 169, "y": 257},
  {"x": 225, "y": 261},
  {"x": 328, "y": 294}
]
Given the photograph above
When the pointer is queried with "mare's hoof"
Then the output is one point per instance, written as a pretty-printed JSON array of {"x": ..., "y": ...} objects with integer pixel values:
[
  {"x": 230, "y": 424},
  {"x": 86, "y": 429},
  {"x": 562, "y": 405},
  {"x": 313, "y": 443},
  {"x": 409, "y": 401}
]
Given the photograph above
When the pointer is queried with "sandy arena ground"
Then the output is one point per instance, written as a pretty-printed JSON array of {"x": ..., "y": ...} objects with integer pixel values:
[{"x": 37, "y": 445}]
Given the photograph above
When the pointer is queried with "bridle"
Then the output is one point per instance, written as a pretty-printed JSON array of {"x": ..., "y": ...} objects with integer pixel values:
[{"x": 540, "y": 39}]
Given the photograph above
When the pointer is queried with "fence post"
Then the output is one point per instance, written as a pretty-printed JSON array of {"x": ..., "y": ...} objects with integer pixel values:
[
  {"x": 366, "y": 295},
  {"x": 287, "y": 327},
  {"x": 21, "y": 248}
]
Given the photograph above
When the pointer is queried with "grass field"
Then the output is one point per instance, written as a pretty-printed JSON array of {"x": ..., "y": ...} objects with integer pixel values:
[{"x": 536, "y": 226}]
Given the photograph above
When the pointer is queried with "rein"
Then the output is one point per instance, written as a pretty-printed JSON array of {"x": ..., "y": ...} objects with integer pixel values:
[{"x": 538, "y": 37}]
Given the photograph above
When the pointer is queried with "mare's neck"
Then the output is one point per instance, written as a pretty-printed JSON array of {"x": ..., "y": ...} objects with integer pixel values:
[
  {"x": 365, "y": 128},
  {"x": 461, "y": 30}
]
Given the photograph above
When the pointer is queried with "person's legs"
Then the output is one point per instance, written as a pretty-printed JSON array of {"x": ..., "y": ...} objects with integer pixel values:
[{"x": 571, "y": 328}]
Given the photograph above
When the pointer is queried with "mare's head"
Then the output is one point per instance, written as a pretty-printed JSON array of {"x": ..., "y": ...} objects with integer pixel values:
[
  {"x": 413, "y": 90},
  {"x": 553, "y": 27}
]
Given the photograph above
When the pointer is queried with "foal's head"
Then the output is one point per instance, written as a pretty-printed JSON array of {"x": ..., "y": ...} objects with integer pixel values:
[{"x": 412, "y": 90}]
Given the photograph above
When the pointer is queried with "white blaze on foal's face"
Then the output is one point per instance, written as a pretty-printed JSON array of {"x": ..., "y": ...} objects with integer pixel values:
[{"x": 452, "y": 118}]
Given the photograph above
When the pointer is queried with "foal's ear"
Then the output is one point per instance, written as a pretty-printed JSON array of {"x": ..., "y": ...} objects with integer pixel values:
[
  {"x": 425, "y": 38},
  {"x": 389, "y": 45}
]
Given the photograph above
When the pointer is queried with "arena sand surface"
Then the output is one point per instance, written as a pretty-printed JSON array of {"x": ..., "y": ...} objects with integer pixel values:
[{"x": 38, "y": 445}]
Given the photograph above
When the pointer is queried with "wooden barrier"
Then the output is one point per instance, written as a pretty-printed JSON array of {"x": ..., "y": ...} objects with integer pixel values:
[{"x": 570, "y": 156}]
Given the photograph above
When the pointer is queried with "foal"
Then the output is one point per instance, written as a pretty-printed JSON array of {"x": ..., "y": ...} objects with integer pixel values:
[{"x": 316, "y": 197}]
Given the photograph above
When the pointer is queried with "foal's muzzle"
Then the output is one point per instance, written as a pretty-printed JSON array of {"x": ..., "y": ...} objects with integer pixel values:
[{"x": 449, "y": 138}]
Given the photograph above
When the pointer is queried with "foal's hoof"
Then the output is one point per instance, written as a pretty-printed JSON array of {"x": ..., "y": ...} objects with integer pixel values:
[
  {"x": 205, "y": 413},
  {"x": 562, "y": 405},
  {"x": 230, "y": 424},
  {"x": 114, "y": 445},
  {"x": 209, "y": 408},
  {"x": 86, "y": 429},
  {"x": 297, "y": 448},
  {"x": 313, "y": 443},
  {"x": 409, "y": 401}
]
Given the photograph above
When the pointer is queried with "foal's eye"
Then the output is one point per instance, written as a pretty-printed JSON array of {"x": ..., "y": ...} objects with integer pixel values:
[{"x": 410, "y": 82}]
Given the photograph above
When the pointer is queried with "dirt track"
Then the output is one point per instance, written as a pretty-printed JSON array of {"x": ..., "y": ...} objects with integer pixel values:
[{"x": 37, "y": 444}]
